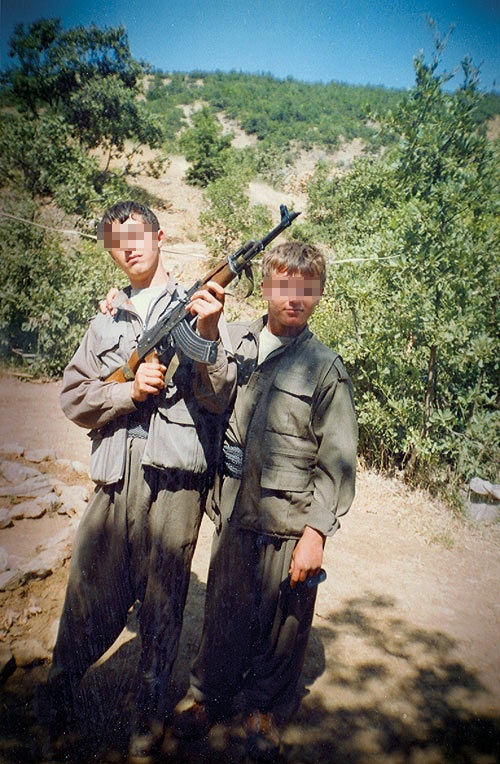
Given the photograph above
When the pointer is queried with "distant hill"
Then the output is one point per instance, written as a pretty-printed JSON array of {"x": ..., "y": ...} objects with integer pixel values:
[{"x": 284, "y": 112}]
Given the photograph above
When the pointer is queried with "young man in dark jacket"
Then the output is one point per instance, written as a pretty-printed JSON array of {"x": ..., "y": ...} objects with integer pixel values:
[{"x": 289, "y": 473}]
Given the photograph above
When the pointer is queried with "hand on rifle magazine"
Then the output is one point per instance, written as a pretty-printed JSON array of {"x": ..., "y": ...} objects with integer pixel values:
[{"x": 207, "y": 304}]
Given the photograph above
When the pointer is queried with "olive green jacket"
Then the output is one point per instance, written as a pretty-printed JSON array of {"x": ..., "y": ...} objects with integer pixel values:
[{"x": 294, "y": 417}]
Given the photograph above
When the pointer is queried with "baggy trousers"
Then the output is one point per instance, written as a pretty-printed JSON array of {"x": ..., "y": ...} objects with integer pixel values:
[
  {"x": 256, "y": 628},
  {"x": 135, "y": 542}
]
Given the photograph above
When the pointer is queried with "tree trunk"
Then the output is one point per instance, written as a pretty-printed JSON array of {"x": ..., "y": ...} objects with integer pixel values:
[{"x": 430, "y": 393}]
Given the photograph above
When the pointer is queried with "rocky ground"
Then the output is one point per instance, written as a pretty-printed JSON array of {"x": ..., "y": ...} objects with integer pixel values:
[{"x": 403, "y": 665}]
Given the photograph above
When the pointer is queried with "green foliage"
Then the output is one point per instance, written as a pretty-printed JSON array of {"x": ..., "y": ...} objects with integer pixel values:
[
  {"x": 278, "y": 112},
  {"x": 206, "y": 148},
  {"x": 165, "y": 98},
  {"x": 229, "y": 218},
  {"x": 418, "y": 326},
  {"x": 74, "y": 90},
  {"x": 47, "y": 294},
  {"x": 107, "y": 113},
  {"x": 86, "y": 75},
  {"x": 284, "y": 112},
  {"x": 40, "y": 158}
]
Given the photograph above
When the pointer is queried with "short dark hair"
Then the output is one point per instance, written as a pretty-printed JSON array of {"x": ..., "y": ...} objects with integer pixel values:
[
  {"x": 295, "y": 257},
  {"x": 122, "y": 211}
]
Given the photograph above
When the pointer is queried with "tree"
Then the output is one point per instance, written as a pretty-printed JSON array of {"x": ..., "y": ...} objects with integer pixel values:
[
  {"x": 206, "y": 148},
  {"x": 417, "y": 324},
  {"x": 229, "y": 217},
  {"x": 48, "y": 293},
  {"x": 86, "y": 75}
]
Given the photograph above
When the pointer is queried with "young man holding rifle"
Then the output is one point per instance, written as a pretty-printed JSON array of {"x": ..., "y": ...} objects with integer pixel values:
[
  {"x": 154, "y": 447},
  {"x": 288, "y": 474}
]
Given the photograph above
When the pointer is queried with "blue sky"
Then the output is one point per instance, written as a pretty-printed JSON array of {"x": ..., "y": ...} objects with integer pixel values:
[{"x": 356, "y": 41}]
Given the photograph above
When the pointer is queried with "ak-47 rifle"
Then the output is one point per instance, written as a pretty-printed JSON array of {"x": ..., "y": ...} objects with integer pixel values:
[{"x": 173, "y": 329}]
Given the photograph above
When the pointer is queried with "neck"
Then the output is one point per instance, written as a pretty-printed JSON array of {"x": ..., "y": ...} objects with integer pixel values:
[
  {"x": 159, "y": 278},
  {"x": 283, "y": 331}
]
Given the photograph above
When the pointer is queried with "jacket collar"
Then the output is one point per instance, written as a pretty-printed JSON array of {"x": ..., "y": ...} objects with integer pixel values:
[
  {"x": 256, "y": 327},
  {"x": 122, "y": 298}
]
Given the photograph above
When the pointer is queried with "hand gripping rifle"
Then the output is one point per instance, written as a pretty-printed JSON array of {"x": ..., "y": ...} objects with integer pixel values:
[{"x": 173, "y": 329}]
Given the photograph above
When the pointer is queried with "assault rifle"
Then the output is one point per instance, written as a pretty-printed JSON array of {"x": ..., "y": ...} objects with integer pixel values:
[{"x": 173, "y": 329}]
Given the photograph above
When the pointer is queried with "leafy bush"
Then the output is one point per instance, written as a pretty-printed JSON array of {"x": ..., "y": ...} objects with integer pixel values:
[
  {"x": 48, "y": 294},
  {"x": 417, "y": 325},
  {"x": 229, "y": 218},
  {"x": 41, "y": 158},
  {"x": 206, "y": 148}
]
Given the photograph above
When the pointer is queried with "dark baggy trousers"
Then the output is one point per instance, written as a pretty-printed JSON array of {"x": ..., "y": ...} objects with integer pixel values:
[
  {"x": 135, "y": 542},
  {"x": 256, "y": 628}
]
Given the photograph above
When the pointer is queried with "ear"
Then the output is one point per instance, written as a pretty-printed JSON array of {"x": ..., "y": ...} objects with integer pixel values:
[{"x": 161, "y": 236}]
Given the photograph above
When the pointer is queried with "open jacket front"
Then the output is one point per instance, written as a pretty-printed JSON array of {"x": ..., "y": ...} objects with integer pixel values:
[
  {"x": 295, "y": 413},
  {"x": 185, "y": 421}
]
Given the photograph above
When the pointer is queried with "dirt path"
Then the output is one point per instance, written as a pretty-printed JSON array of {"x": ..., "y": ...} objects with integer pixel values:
[{"x": 403, "y": 661}]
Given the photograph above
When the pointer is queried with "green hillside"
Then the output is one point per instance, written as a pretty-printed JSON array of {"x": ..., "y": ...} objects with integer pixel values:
[{"x": 276, "y": 111}]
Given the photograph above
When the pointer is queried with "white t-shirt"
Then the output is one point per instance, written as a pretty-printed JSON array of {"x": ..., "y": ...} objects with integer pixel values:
[
  {"x": 269, "y": 342},
  {"x": 142, "y": 298}
]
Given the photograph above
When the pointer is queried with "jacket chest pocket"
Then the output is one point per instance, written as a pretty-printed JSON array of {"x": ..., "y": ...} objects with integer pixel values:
[
  {"x": 112, "y": 351},
  {"x": 290, "y": 404}
]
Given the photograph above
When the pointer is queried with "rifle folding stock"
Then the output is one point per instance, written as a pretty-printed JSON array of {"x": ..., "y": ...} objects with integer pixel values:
[{"x": 174, "y": 328}]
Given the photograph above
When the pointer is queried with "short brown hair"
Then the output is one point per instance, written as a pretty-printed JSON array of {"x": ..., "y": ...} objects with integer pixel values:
[
  {"x": 122, "y": 211},
  {"x": 295, "y": 257}
]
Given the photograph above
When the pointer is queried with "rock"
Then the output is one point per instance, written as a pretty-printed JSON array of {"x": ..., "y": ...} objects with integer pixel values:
[
  {"x": 483, "y": 513},
  {"x": 57, "y": 550},
  {"x": 64, "y": 537},
  {"x": 15, "y": 562},
  {"x": 28, "y": 652},
  {"x": 67, "y": 463},
  {"x": 5, "y": 518},
  {"x": 77, "y": 507},
  {"x": 35, "y": 486},
  {"x": 73, "y": 499},
  {"x": 4, "y": 559},
  {"x": 69, "y": 493},
  {"x": 11, "y": 579},
  {"x": 38, "y": 455},
  {"x": 80, "y": 467},
  {"x": 62, "y": 545},
  {"x": 11, "y": 449},
  {"x": 27, "y": 509},
  {"x": 51, "y": 634},
  {"x": 36, "y": 507},
  {"x": 16, "y": 473},
  {"x": 7, "y": 662},
  {"x": 73, "y": 465},
  {"x": 485, "y": 488},
  {"x": 40, "y": 566}
]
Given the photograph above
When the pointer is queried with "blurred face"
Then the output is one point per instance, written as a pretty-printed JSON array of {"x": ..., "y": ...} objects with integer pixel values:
[
  {"x": 291, "y": 299},
  {"x": 135, "y": 248}
]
